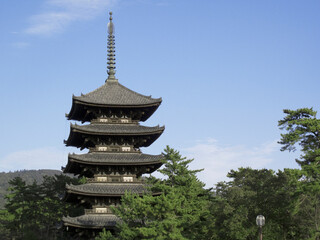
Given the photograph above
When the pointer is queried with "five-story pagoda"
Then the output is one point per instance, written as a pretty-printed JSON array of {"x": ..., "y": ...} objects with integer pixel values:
[{"x": 114, "y": 162}]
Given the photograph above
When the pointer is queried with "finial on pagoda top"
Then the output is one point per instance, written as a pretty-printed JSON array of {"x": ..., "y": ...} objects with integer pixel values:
[
  {"x": 110, "y": 24},
  {"x": 111, "y": 51}
]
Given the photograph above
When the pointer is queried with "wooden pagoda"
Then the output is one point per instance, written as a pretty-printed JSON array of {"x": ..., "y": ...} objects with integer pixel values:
[{"x": 114, "y": 162}]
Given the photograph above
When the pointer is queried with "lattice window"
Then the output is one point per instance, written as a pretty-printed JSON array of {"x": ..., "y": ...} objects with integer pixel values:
[
  {"x": 101, "y": 210},
  {"x": 128, "y": 179},
  {"x": 103, "y": 120},
  {"x": 126, "y": 149},
  {"x": 102, "y": 148},
  {"x": 101, "y": 179}
]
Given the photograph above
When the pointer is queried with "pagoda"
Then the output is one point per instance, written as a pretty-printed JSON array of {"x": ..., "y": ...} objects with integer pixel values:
[{"x": 110, "y": 129}]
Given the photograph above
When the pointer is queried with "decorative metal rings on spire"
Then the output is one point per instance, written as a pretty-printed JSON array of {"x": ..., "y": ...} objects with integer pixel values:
[{"x": 111, "y": 51}]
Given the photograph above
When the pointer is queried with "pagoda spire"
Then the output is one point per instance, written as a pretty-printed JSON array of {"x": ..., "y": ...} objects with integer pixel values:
[{"x": 111, "y": 51}]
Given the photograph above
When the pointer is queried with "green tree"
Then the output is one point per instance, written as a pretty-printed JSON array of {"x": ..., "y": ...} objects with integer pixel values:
[
  {"x": 33, "y": 211},
  {"x": 179, "y": 211},
  {"x": 17, "y": 206},
  {"x": 252, "y": 192},
  {"x": 105, "y": 235},
  {"x": 5, "y": 217},
  {"x": 303, "y": 128}
]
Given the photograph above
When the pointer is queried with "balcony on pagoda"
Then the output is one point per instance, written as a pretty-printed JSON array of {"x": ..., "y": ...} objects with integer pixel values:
[
  {"x": 99, "y": 210},
  {"x": 115, "y": 120},
  {"x": 114, "y": 179},
  {"x": 115, "y": 148}
]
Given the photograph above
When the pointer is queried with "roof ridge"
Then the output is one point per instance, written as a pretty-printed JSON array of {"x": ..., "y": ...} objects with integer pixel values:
[
  {"x": 112, "y": 153},
  {"x": 120, "y": 85},
  {"x": 95, "y": 90},
  {"x": 139, "y": 94},
  {"x": 77, "y": 126}
]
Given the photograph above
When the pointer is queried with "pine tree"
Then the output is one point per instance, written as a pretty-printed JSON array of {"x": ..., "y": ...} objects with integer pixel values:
[
  {"x": 178, "y": 211},
  {"x": 303, "y": 128}
]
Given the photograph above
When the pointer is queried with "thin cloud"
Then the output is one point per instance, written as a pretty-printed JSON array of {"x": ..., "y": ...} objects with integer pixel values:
[
  {"x": 218, "y": 160},
  {"x": 42, "y": 158},
  {"x": 20, "y": 44},
  {"x": 62, "y": 13}
]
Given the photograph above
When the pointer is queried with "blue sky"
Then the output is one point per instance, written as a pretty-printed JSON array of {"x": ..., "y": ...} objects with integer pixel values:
[{"x": 225, "y": 71}]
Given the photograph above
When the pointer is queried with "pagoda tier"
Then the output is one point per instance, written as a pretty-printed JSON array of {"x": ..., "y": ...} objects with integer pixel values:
[
  {"x": 90, "y": 194},
  {"x": 112, "y": 99},
  {"x": 87, "y": 136},
  {"x": 106, "y": 189},
  {"x": 94, "y": 162}
]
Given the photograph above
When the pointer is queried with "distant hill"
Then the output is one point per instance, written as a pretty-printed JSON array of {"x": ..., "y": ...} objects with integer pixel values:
[{"x": 27, "y": 175}]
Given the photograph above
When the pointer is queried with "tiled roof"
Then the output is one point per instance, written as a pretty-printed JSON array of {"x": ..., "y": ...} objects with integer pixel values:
[
  {"x": 92, "y": 221},
  {"x": 117, "y": 129},
  {"x": 141, "y": 136},
  {"x": 80, "y": 163},
  {"x": 116, "y": 158},
  {"x": 106, "y": 189},
  {"x": 113, "y": 93}
]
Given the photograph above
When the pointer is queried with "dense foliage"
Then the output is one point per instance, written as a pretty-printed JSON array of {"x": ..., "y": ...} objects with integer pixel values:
[
  {"x": 34, "y": 211},
  {"x": 253, "y": 192}
]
